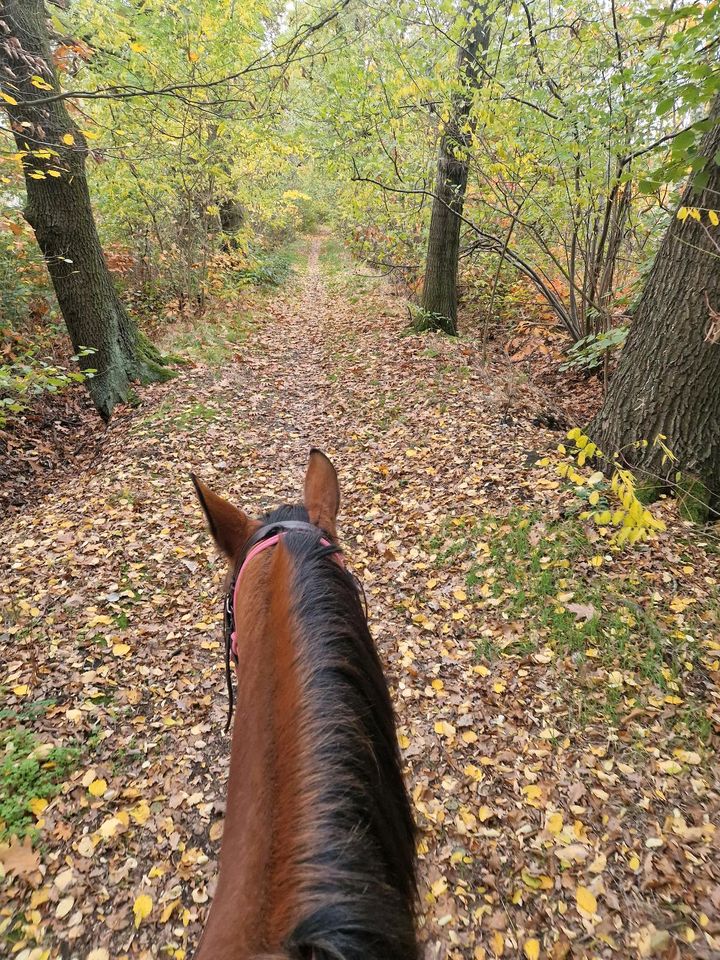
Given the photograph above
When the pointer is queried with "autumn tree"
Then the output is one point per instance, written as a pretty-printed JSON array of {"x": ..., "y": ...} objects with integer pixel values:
[
  {"x": 53, "y": 152},
  {"x": 439, "y": 297},
  {"x": 666, "y": 390}
]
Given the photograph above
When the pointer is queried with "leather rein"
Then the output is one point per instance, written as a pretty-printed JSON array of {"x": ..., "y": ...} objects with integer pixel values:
[{"x": 269, "y": 535}]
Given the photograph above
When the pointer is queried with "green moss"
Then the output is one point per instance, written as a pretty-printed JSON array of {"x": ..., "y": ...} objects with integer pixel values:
[
  {"x": 694, "y": 499},
  {"x": 649, "y": 491},
  {"x": 152, "y": 366}
]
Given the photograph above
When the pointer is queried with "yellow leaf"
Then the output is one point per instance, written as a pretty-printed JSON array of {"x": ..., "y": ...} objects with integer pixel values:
[
  {"x": 41, "y": 84},
  {"x": 683, "y": 213},
  {"x": 597, "y": 560},
  {"x": 531, "y": 949},
  {"x": 21, "y": 690},
  {"x": 499, "y": 686},
  {"x": 142, "y": 908},
  {"x": 193, "y": 57},
  {"x": 671, "y": 767},
  {"x": 121, "y": 649},
  {"x": 533, "y": 794},
  {"x": 586, "y": 900},
  {"x": 459, "y": 594},
  {"x": 634, "y": 862},
  {"x": 168, "y": 911},
  {"x": 439, "y": 887},
  {"x": 37, "y": 805},
  {"x": 594, "y": 498},
  {"x": 484, "y": 813},
  {"x": 469, "y": 736},
  {"x": 497, "y": 943},
  {"x": 437, "y": 685},
  {"x": 141, "y": 812},
  {"x": 713, "y": 218},
  {"x": 555, "y": 823},
  {"x": 54, "y": 173},
  {"x": 444, "y": 729},
  {"x": 695, "y": 213},
  {"x": 475, "y": 772},
  {"x": 98, "y": 787},
  {"x": 68, "y": 139},
  {"x": 138, "y": 47},
  {"x": 8, "y": 99}
]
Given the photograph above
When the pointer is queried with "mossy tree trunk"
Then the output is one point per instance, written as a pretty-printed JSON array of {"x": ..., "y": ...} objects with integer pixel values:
[
  {"x": 58, "y": 208},
  {"x": 668, "y": 379},
  {"x": 439, "y": 298}
]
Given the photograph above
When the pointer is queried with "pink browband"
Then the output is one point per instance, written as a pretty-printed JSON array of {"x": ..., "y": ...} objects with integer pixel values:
[{"x": 258, "y": 548}]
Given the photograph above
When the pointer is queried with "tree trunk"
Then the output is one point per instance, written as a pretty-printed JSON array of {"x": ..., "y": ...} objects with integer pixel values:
[
  {"x": 667, "y": 383},
  {"x": 439, "y": 299},
  {"x": 58, "y": 208}
]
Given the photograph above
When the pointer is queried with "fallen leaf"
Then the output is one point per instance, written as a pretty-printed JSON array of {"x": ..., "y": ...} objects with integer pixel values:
[
  {"x": 531, "y": 949},
  {"x": 18, "y": 857},
  {"x": 586, "y": 900},
  {"x": 142, "y": 908}
]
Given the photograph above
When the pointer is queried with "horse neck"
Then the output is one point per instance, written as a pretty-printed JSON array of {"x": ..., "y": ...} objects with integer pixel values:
[{"x": 254, "y": 907}]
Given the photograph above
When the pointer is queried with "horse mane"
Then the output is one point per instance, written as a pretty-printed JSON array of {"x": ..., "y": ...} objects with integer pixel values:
[{"x": 357, "y": 889}]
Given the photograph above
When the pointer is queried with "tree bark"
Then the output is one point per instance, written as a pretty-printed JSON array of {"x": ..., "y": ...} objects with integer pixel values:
[
  {"x": 58, "y": 208},
  {"x": 668, "y": 379},
  {"x": 439, "y": 299}
]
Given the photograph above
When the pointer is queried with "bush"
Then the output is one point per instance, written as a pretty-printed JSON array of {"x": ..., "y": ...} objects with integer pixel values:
[
  {"x": 589, "y": 352},
  {"x": 30, "y": 377}
]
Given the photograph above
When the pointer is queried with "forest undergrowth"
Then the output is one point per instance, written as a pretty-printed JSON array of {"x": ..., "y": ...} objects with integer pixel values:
[{"x": 557, "y": 695}]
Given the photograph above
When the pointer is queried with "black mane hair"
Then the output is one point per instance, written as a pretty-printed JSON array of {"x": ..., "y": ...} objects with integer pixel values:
[{"x": 358, "y": 880}]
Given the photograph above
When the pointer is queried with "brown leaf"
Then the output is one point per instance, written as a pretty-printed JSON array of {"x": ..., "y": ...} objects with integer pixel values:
[{"x": 19, "y": 858}]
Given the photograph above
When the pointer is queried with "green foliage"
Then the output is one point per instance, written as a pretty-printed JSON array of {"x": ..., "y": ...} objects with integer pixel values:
[
  {"x": 230, "y": 127},
  {"x": 589, "y": 352},
  {"x": 29, "y": 771},
  {"x": 424, "y": 321},
  {"x": 610, "y": 493},
  {"x": 23, "y": 380},
  {"x": 24, "y": 284}
]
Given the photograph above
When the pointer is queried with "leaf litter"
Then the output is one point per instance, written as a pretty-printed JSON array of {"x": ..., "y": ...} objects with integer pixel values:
[{"x": 558, "y": 716}]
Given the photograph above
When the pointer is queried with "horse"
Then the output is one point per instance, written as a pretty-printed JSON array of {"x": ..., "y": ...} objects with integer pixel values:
[{"x": 317, "y": 858}]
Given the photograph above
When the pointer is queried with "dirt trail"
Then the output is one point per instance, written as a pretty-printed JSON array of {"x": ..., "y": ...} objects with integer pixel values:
[{"x": 111, "y": 598}]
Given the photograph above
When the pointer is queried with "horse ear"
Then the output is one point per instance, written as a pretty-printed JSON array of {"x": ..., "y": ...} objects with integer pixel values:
[
  {"x": 229, "y": 526},
  {"x": 322, "y": 492}
]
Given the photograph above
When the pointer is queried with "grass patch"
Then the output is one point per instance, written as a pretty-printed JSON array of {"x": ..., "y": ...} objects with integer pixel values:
[
  {"x": 30, "y": 772},
  {"x": 211, "y": 341},
  {"x": 333, "y": 258},
  {"x": 340, "y": 273},
  {"x": 548, "y": 581}
]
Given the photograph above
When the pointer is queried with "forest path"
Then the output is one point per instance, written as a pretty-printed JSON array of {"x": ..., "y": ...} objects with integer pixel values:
[{"x": 112, "y": 590}]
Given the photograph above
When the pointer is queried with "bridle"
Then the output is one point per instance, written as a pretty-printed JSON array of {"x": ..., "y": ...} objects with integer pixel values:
[{"x": 266, "y": 536}]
